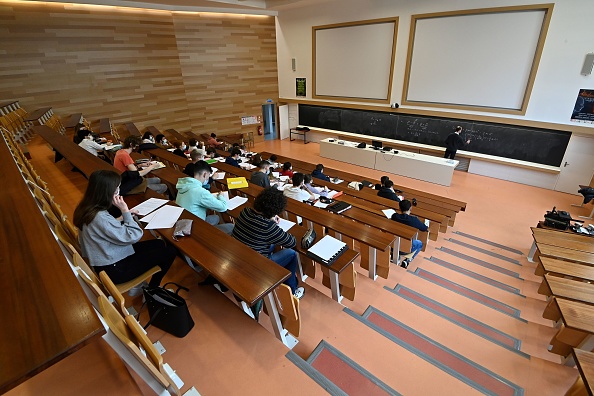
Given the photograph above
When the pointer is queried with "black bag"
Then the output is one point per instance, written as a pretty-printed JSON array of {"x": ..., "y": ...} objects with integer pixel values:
[
  {"x": 168, "y": 310},
  {"x": 559, "y": 220},
  {"x": 130, "y": 180}
]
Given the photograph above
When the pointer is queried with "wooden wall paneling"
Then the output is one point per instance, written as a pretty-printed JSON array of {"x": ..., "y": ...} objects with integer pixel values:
[
  {"x": 100, "y": 61},
  {"x": 229, "y": 68}
]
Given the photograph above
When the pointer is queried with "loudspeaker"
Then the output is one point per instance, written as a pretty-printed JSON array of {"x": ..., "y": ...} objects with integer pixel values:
[
  {"x": 293, "y": 64},
  {"x": 588, "y": 63}
]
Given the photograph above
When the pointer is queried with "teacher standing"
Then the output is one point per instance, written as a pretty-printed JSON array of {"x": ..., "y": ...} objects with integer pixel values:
[{"x": 453, "y": 142}]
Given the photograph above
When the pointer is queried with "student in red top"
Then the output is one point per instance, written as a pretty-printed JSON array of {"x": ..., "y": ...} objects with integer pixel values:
[
  {"x": 213, "y": 142},
  {"x": 287, "y": 170},
  {"x": 124, "y": 162}
]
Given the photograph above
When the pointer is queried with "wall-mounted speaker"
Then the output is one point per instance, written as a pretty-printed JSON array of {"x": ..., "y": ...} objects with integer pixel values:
[
  {"x": 293, "y": 64},
  {"x": 588, "y": 63}
]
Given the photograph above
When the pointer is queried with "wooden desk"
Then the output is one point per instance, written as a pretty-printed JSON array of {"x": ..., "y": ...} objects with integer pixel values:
[
  {"x": 545, "y": 234},
  {"x": 564, "y": 254},
  {"x": 176, "y": 134},
  {"x": 567, "y": 288},
  {"x": 73, "y": 121},
  {"x": 45, "y": 314},
  {"x": 549, "y": 265},
  {"x": 576, "y": 331},
  {"x": 104, "y": 126},
  {"x": 38, "y": 114},
  {"x": 585, "y": 363},
  {"x": 86, "y": 162},
  {"x": 132, "y": 130},
  {"x": 153, "y": 130},
  {"x": 420, "y": 195}
]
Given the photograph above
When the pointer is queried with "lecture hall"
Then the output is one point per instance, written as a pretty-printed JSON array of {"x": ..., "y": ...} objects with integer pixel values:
[{"x": 498, "y": 300}]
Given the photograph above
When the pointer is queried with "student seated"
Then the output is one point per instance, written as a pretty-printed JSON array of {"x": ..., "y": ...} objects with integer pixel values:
[
  {"x": 318, "y": 173},
  {"x": 307, "y": 180},
  {"x": 113, "y": 245},
  {"x": 233, "y": 158},
  {"x": 260, "y": 176},
  {"x": 387, "y": 191},
  {"x": 124, "y": 162},
  {"x": 273, "y": 161},
  {"x": 406, "y": 218},
  {"x": 180, "y": 147},
  {"x": 89, "y": 144},
  {"x": 298, "y": 191},
  {"x": 258, "y": 228},
  {"x": 161, "y": 141},
  {"x": 195, "y": 156},
  {"x": 81, "y": 132},
  {"x": 193, "y": 197},
  {"x": 148, "y": 142},
  {"x": 257, "y": 159},
  {"x": 214, "y": 143},
  {"x": 194, "y": 145},
  {"x": 211, "y": 153},
  {"x": 287, "y": 170},
  {"x": 382, "y": 183}
]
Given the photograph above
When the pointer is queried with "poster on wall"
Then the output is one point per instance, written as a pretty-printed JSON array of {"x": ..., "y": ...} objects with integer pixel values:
[
  {"x": 300, "y": 87},
  {"x": 251, "y": 120},
  {"x": 583, "y": 111}
]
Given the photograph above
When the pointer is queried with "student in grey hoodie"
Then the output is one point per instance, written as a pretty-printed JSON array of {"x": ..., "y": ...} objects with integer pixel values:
[
  {"x": 113, "y": 245},
  {"x": 192, "y": 196}
]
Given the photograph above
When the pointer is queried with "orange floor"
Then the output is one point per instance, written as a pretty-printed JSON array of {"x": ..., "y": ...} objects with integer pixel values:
[{"x": 227, "y": 353}]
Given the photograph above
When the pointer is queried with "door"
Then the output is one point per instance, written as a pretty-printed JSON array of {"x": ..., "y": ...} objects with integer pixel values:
[
  {"x": 577, "y": 166},
  {"x": 283, "y": 121},
  {"x": 269, "y": 119}
]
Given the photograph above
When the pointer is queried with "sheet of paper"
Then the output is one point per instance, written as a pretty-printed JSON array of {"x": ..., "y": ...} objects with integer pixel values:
[
  {"x": 427, "y": 222},
  {"x": 276, "y": 174},
  {"x": 164, "y": 217},
  {"x": 389, "y": 212},
  {"x": 223, "y": 193},
  {"x": 214, "y": 170},
  {"x": 327, "y": 247},
  {"x": 285, "y": 225},
  {"x": 171, "y": 150},
  {"x": 220, "y": 159},
  {"x": 149, "y": 205},
  {"x": 332, "y": 193},
  {"x": 247, "y": 166},
  {"x": 218, "y": 176},
  {"x": 284, "y": 178},
  {"x": 322, "y": 205},
  {"x": 236, "y": 202},
  {"x": 336, "y": 180}
]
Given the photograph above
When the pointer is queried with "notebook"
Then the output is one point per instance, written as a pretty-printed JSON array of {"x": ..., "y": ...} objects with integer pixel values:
[
  {"x": 338, "y": 207},
  {"x": 236, "y": 182},
  {"x": 327, "y": 250}
]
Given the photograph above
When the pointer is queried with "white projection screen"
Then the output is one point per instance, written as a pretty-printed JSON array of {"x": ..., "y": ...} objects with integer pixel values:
[
  {"x": 355, "y": 60},
  {"x": 480, "y": 58}
]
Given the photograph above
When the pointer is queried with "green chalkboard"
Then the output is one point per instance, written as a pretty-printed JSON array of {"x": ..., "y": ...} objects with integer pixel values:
[{"x": 541, "y": 146}]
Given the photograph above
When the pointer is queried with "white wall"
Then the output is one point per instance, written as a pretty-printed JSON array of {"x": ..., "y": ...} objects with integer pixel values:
[{"x": 569, "y": 39}]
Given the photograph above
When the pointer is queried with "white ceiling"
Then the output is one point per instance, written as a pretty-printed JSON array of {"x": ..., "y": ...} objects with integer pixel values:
[{"x": 266, "y": 7}]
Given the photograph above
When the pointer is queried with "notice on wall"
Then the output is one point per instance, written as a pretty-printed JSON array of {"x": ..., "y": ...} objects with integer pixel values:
[
  {"x": 251, "y": 120},
  {"x": 300, "y": 87},
  {"x": 583, "y": 111}
]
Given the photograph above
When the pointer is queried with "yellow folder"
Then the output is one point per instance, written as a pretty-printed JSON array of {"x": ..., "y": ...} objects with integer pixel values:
[{"x": 236, "y": 182}]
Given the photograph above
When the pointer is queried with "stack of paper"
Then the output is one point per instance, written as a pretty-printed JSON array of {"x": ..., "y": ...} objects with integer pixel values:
[
  {"x": 149, "y": 205},
  {"x": 218, "y": 176},
  {"x": 236, "y": 202},
  {"x": 163, "y": 218}
]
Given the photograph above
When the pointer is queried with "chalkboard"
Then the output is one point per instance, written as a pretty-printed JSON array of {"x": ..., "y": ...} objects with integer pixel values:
[{"x": 541, "y": 146}]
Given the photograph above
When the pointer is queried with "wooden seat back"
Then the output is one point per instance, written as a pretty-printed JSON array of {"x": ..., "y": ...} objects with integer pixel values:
[
  {"x": 347, "y": 280},
  {"x": 288, "y": 309},
  {"x": 114, "y": 292}
]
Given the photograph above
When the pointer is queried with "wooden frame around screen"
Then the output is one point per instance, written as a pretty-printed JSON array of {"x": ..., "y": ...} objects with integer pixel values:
[
  {"x": 548, "y": 10},
  {"x": 347, "y": 24}
]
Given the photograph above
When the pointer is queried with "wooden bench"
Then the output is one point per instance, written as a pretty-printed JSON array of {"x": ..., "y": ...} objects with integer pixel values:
[
  {"x": 575, "y": 331},
  {"x": 45, "y": 314},
  {"x": 175, "y": 134},
  {"x": 563, "y": 254},
  {"x": 131, "y": 128},
  {"x": 547, "y": 234},
  {"x": 558, "y": 267},
  {"x": 584, "y": 384},
  {"x": 153, "y": 130}
]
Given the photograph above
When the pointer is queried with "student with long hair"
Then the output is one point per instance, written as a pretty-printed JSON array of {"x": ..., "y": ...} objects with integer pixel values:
[{"x": 112, "y": 245}]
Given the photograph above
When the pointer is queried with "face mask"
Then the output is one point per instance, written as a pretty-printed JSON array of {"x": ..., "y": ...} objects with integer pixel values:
[
  {"x": 164, "y": 141},
  {"x": 152, "y": 139},
  {"x": 183, "y": 147},
  {"x": 205, "y": 182}
]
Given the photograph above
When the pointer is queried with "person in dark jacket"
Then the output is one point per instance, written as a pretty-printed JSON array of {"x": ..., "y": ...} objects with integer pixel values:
[
  {"x": 148, "y": 142},
  {"x": 454, "y": 142},
  {"x": 180, "y": 148},
  {"x": 588, "y": 193},
  {"x": 318, "y": 173},
  {"x": 387, "y": 191},
  {"x": 382, "y": 182},
  {"x": 260, "y": 176},
  {"x": 233, "y": 158},
  {"x": 412, "y": 221}
]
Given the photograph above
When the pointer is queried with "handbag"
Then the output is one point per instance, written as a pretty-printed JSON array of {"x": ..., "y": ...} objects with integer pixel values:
[
  {"x": 168, "y": 311},
  {"x": 308, "y": 238},
  {"x": 183, "y": 227}
]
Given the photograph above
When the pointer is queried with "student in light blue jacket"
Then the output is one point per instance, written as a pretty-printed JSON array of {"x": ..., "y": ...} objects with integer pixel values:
[{"x": 193, "y": 197}]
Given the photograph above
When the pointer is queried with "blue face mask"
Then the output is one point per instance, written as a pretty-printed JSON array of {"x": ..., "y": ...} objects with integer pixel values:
[{"x": 205, "y": 182}]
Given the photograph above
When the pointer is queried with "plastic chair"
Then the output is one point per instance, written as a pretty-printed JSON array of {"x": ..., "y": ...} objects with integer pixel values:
[{"x": 129, "y": 332}]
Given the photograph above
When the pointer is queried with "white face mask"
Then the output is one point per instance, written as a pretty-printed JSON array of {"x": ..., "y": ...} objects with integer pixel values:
[
  {"x": 152, "y": 139},
  {"x": 183, "y": 147}
]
